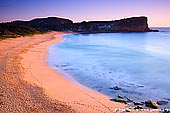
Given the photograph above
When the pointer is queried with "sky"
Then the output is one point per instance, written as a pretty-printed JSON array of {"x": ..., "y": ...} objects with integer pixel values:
[{"x": 157, "y": 11}]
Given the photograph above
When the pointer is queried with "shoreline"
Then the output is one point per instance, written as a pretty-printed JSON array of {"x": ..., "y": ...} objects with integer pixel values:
[
  {"x": 80, "y": 98},
  {"x": 69, "y": 66}
]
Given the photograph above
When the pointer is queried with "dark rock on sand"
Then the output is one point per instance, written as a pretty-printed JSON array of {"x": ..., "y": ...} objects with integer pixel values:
[
  {"x": 166, "y": 111},
  {"x": 138, "y": 107},
  {"x": 162, "y": 102},
  {"x": 151, "y": 104},
  {"x": 128, "y": 110}
]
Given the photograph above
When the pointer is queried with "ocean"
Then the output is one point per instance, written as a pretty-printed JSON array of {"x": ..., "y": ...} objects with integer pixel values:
[{"x": 137, "y": 62}]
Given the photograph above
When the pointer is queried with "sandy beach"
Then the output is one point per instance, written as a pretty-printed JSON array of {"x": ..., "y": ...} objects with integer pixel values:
[
  {"x": 28, "y": 84},
  {"x": 17, "y": 95}
]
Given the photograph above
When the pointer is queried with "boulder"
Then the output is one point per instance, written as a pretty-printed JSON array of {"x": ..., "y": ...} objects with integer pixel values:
[
  {"x": 129, "y": 100},
  {"x": 166, "y": 111},
  {"x": 138, "y": 103},
  {"x": 117, "y": 88},
  {"x": 119, "y": 96},
  {"x": 138, "y": 107},
  {"x": 151, "y": 104},
  {"x": 119, "y": 100},
  {"x": 128, "y": 110}
]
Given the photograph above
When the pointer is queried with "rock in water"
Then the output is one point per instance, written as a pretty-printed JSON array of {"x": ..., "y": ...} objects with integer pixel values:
[
  {"x": 117, "y": 88},
  {"x": 151, "y": 104},
  {"x": 119, "y": 100},
  {"x": 129, "y": 100},
  {"x": 119, "y": 96},
  {"x": 162, "y": 102},
  {"x": 138, "y": 103}
]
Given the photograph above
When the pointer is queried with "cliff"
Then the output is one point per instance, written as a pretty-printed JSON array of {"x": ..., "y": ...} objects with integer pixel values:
[{"x": 134, "y": 24}]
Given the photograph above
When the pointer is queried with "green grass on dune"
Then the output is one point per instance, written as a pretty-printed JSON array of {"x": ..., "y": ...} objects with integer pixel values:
[{"x": 13, "y": 31}]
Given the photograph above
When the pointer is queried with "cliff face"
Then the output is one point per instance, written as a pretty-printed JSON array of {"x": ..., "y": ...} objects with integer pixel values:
[{"x": 134, "y": 24}]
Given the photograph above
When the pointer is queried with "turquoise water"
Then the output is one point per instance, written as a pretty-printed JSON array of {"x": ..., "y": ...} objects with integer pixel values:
[{"x": 138, "y": 62}]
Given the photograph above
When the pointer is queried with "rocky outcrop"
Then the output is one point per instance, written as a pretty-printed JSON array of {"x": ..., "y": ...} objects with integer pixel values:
[
  {"x": 134, "y": 24},
  {"x": 151, "y": 104}
]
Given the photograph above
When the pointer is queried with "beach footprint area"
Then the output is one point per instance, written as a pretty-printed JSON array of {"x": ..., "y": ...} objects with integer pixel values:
[{"x": 16, "y": 94}]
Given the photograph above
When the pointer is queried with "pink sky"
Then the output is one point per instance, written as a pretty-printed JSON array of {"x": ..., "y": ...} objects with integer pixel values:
[{"x": 157, "y": 11}]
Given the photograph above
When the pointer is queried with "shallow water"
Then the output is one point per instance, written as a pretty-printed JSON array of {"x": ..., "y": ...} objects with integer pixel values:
[{"x": 138, "y": 62}]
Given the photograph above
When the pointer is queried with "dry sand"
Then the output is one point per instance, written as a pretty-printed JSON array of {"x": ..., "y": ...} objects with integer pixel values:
[
  {"x": 17, "y": 95},
  {"x": 29, "y": 85}
]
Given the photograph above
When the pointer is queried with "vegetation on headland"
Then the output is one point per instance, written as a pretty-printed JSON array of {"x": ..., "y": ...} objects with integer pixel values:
[
  {"x": 36, "y": 26},
  {"x": 13, "y": 31}
]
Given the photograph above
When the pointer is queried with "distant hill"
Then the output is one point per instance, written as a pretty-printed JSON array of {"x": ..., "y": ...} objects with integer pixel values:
[
  {"x": 51, "y": 23},
  {"x": 40, "y": 25}
]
